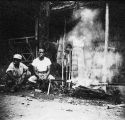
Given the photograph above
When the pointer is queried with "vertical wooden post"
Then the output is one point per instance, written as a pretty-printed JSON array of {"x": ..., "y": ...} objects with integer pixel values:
[
  {"x": 48, "y": 15},
  {"x": 106, "y": 28},
  {"x": 36, "y": 35},
  {"x": 106, "y": 40},
  {"x": 62, "y": 60},
  {"x": 70, "y": 65},
  {"x": 44, "y": 15},
  {"x": 63, "y": 40}
]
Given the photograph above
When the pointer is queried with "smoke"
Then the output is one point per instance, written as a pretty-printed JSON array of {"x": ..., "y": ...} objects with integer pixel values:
[
  {"x": 88, "y": 29},
  {"x": 88, "y": 58},
  {"x": 86, "y": 15}
]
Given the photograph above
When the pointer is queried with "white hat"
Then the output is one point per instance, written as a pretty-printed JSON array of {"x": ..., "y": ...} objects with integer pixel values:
[{"x": 17, "y": 56}]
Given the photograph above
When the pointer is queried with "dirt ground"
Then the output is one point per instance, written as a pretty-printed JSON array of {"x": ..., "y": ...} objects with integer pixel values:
[{"x": 39, "y": 106}]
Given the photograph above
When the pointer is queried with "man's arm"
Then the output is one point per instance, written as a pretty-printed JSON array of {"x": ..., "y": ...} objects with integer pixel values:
[
  {"x": 34, "y": 68},
  {"x": 10, "y": 74},
  {"x": 35, "y": 72},
  {"x": 9, "y": 71},
  {"x": 26, "y": 70},
  {"x": 48, "y": 68},
  {"x": 48, "y": 72}
]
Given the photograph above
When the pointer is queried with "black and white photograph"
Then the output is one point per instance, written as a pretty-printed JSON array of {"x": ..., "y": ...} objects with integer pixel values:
[{"x": 62, "y": 60}]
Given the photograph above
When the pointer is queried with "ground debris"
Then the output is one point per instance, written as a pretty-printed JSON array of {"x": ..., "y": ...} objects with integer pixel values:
[
  {"x": 115, "y": 106},
  {"x": 69, "y": 110},
  {"x": 84, "y": 92}
]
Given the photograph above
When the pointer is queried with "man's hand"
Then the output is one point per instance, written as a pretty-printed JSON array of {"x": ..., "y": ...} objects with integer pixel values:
[{"x": 42, "y": 76}]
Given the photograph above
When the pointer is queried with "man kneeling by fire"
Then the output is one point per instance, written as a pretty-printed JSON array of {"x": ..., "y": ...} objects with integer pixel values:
[
  {"x": 41, "y": 72},
  {"x": 16, "y": 75}
]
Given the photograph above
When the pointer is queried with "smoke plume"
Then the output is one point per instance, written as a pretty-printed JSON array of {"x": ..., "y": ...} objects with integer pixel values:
[{"x": 88, "y": 58}]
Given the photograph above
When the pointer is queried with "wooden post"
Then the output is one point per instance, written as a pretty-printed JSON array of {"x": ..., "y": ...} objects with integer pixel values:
[
  {"x": 62, "y": 60},
  {"x": 106, "y": 41},
  {"x": 44, "y": 15},
  {"x": 63, "y": 40},
  {"x": 48, "y": 15},
  {"x": 36, "y": 35}
]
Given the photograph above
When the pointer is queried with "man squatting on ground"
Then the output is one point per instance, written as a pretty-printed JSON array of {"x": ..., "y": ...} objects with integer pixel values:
[
  {"x": 16, "y": 74},
  {"x": 41, "y": 67}
]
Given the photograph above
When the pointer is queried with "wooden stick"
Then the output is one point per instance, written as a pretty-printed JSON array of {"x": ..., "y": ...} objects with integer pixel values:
[{"x": 49, "y": 87}]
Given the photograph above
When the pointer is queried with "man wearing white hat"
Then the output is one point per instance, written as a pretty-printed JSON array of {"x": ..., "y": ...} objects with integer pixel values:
[{"x": 16, "y": 72}]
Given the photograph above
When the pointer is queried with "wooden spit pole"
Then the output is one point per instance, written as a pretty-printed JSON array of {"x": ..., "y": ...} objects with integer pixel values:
[{"x": 106, "y": 40}]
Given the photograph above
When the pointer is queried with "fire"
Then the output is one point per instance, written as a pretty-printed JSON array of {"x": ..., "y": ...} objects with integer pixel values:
[{"x": 87, "y": 39}]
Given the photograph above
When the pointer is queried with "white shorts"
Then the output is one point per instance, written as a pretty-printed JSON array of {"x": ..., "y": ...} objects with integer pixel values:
[{"x": 34, "y": 78}]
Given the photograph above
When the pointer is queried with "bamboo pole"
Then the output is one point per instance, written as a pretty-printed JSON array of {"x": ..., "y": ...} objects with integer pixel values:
[
  {"x": 106, "y": 40},
  {"x": 69, "y": 65},
  {"x": 62, "y": 60},
  {"x": 63, "y": 53},
  {"x": 66, "y": 71}
]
